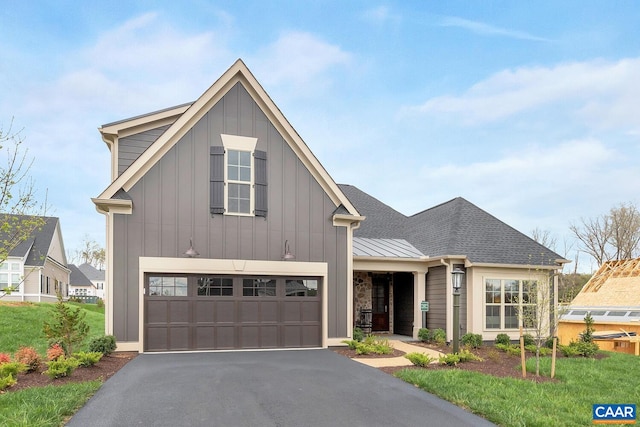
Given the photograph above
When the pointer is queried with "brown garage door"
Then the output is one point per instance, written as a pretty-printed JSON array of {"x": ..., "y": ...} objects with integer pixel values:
[{"x": 198, "y": 312}]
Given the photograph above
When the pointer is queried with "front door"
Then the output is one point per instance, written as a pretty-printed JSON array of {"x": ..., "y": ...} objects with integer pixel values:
[{"x": 380, "y": 302}]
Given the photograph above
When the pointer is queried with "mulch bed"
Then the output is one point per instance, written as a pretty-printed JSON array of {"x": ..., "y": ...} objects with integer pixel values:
[
  {"x": 494, "y": 362},
  {"x": 104, "y": 369}
]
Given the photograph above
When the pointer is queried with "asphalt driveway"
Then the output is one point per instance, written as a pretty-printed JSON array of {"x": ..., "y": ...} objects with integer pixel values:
[{"x": 262, "y": 388}]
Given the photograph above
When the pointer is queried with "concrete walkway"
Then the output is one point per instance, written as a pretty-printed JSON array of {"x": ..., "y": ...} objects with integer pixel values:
[{"x": 384, "y": 362}]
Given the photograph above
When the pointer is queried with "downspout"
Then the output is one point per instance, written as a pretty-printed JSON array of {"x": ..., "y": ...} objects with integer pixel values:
[
  {"x": 352, "y": 227},
  {"x": 448, "y": 298}
]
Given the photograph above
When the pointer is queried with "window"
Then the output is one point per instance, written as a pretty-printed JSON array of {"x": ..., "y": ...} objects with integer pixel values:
[
  {"x": 238, "y": 177},
  {"x": 505, "y": 298},
  {"x": 10, "y": 276},
  {"x": 301, "y": 288},
  {"x": 259, "y": 287},
  {"x": 168, "y": 286},
  {"x": 215, "y": 286}
]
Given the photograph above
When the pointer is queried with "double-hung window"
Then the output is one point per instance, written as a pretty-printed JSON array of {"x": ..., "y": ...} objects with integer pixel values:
[{"x": 238, "y": 177}]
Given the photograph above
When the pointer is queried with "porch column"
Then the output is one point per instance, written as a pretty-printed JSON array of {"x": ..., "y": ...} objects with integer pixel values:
[{"x": 419, "y": 284}]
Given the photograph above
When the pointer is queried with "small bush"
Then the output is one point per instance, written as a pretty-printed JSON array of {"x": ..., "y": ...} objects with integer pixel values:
[
  {"x": 62, "y": 367},
  {"x": 528, "y": 340},
  {"x": 439, "y": 336},
  {"x": 503, "y": 339},
  {"x": 424, "y": 335},
  {"x": 352, "y": 344},
  {"x": 580, "y": 348},
  {"x": 544, "y": 351},
  {"x": 87, "y": 359},
  {"x": 493, "y": 355},
  {"x": 6, "y": 382},
  {"x": 419, "y": 359},
  {"x": 105, "y": 344},
  {"x": 510, "y": 349},
  {"x": 472, "y": 340},
  {"x": 373, "y": 345},
  {"x": 4, "y": 358},
  {"x": 55, "y": 352},
  {"x": 358, "y": 335},
  {"x": 100, "y": 302},
  {"x": 29, "y": 356},
  {"x": 548, "y": 343},
  {"x": 451, "y": 359},
  {"x": 467, "y": 356},
  {"x": 569, "y": 350},
  {"x": 12, "y": 368}
]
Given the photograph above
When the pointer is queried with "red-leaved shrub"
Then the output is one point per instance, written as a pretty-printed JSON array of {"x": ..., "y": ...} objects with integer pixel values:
[
  {"x": 29, "y": 356},
  {"x": 4, "y": 358},
  {"x": 55, "y": 352}
]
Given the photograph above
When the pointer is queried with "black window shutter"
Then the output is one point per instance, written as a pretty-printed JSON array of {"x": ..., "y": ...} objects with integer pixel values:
[
  {"x": 260, "y": 163},
  {"x": 216, "y": 185}
]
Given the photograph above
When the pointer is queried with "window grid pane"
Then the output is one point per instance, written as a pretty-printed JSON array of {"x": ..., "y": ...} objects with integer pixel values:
[
  {"x": 301, "y": 288},
  {"x": 259, "y": 287}
]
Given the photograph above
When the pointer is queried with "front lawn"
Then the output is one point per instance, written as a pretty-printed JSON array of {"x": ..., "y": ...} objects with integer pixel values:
[{"x": 581, "y": 382}]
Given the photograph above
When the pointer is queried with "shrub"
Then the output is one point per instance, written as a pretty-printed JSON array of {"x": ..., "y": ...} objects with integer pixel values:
[
  {"x": 67, "y": 326},
  {"x": 424, "y": 335},
  {"x": 358, "y": 335},
  {"x": 87, "y": 359},
  {"x": 419, "y": 359},
  {"x": 569, "y": 350},
  {"x": 105, "y": 344},
  {"x": 351, "y": 343},
  {"x": 374, "y": 345},
  {"x": 466, "y": 356},
  {"x": 11, "y": 369},
  {"x": 472, "y": 340},
  {"x": 587, "y": 349},
  {"x": 544, "y": 351},
  {"x": 29, "y": 356},
  {"x": 4, "y": 358},
  {"x": 6, "y": 382},
  {"x": 510, "y": 349},
  {"x": 100, "y": 302},
  {"x": 493, "y": 355},
  {"x": 528, "y": 340},
  {"x": 55, "y": 352},
  {"x": 587, "y": 334},
  {"x": 503, "y": 339},
  {"x": 548, "y": 343},
  {"x": 439, "y": 336},
  {"x": 451, "y": 359},
  {"x": 62, "y": 367}
]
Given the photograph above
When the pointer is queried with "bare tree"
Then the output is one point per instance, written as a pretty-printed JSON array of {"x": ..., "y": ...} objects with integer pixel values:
[
  {"x": 615, "y": 235},
  {"x": 90, "y": 252},
  {"x": 544, "y": 237},
  {"x": 21, "y": 214}
]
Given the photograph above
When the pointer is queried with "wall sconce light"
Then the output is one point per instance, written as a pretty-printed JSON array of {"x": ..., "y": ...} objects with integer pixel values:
[
  {"x": 191, "y": 253},
  {"x": 288, "y": 256}
]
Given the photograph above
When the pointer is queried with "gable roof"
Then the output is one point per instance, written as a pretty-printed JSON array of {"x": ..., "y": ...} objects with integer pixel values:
[
  {"x": 77, "y": 277},
  {"x": 615, "y": 284},
  {"x": 36, "y": 248},
  {"x": 91, "y": 272},
  {"x": 238, "y": 72},
  {"x": 454, "y": 228}
]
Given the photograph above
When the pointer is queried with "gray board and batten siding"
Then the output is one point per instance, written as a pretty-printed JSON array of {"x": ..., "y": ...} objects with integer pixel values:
[
  {"x": 436, "y": 290},
  {"x": 171, "y": 205}
]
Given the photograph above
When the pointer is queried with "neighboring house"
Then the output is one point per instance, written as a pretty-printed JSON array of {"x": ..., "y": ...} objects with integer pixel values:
[
  {"x": 79, "y": 283},
  {"x": 225, "y": 232},
  {"x": 97, "y": 277},
  {"x": 612, "y": 297},
  {"x": 37, "y": 266}
]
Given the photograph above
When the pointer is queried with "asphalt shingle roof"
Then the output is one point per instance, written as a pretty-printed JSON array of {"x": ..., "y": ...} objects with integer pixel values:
[
  {"x": 91, "y": 272},
  {"x": 77, "y": 278},
  {"x": 38, "y": 245},
  {"x": 456, "y": 227}
]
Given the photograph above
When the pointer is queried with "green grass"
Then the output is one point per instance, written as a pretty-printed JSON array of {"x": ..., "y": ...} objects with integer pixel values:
[
  {"x": 21, "y": 325},
  {"x": 44, "y": 406},
  {"x": 516, "y": 402}
]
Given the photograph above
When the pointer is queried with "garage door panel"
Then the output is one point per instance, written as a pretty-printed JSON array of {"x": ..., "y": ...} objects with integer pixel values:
[
  {"x": 205, "y": 337},
  {"x": 226, "y": 337},
  {"x": 311, "y": 335},
  {"x": 291, "y": 335},
  {"x": 291, "y": 311},
  {"x": 249, "y": 336},
  {"x": 310, "y": 311},
  {"x": 179, "y": 311},
  {"x": 204, "y": 311},
  {"x": 249, "y": 312},
  {"x": 269, "y": 336},
  {"x": 157, "y": 339},
  {"x": 157, "y": 311},
  {"x": 179, "y": 338},
  {"x": 225, "y": 311},
  {"x": 269, "y": 311}
]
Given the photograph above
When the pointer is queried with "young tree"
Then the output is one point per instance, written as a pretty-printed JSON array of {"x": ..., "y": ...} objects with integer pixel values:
[
  {"x": 67, "y": 326},
  {"x": 21, "y": 214},
  {"x": 90, "y": 252}
]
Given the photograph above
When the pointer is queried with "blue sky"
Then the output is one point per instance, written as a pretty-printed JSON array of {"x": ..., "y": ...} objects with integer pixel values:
[{"x": 529, "y": 111}]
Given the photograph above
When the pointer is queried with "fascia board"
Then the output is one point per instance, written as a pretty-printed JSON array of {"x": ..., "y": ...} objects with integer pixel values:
[
  {"x": 142, "y": 123},
  {"x": 346, "y": 220},
  {"x": 237, "y": 72}
]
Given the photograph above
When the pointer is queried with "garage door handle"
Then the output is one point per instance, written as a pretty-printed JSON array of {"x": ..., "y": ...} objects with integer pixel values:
[{"x": 385, "y": 308}]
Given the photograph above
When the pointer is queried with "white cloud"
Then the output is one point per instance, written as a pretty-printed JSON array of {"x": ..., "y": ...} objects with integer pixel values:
[
  {"x": 301, "y": 61},
  {"x": 599, "y": 92},
  {"x": 381, "y": 15},
  {"x": 488, "y": 30}
]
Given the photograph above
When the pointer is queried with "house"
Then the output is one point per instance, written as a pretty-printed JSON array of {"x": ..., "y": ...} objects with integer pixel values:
[
  {"x": 79, "y": 283},
  {"x": 37, "y": 266},
  {"x": 612, "y": 298},
  {"x": 97, "y": 278},
  {"x": 225, "y": 232}
]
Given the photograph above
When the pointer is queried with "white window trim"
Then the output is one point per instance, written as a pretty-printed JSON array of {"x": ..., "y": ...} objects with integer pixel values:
[
  {"x": 9, "y": 262},
  {"x": 502, "y": 304},
  {"x": 239, "y": 143}
]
